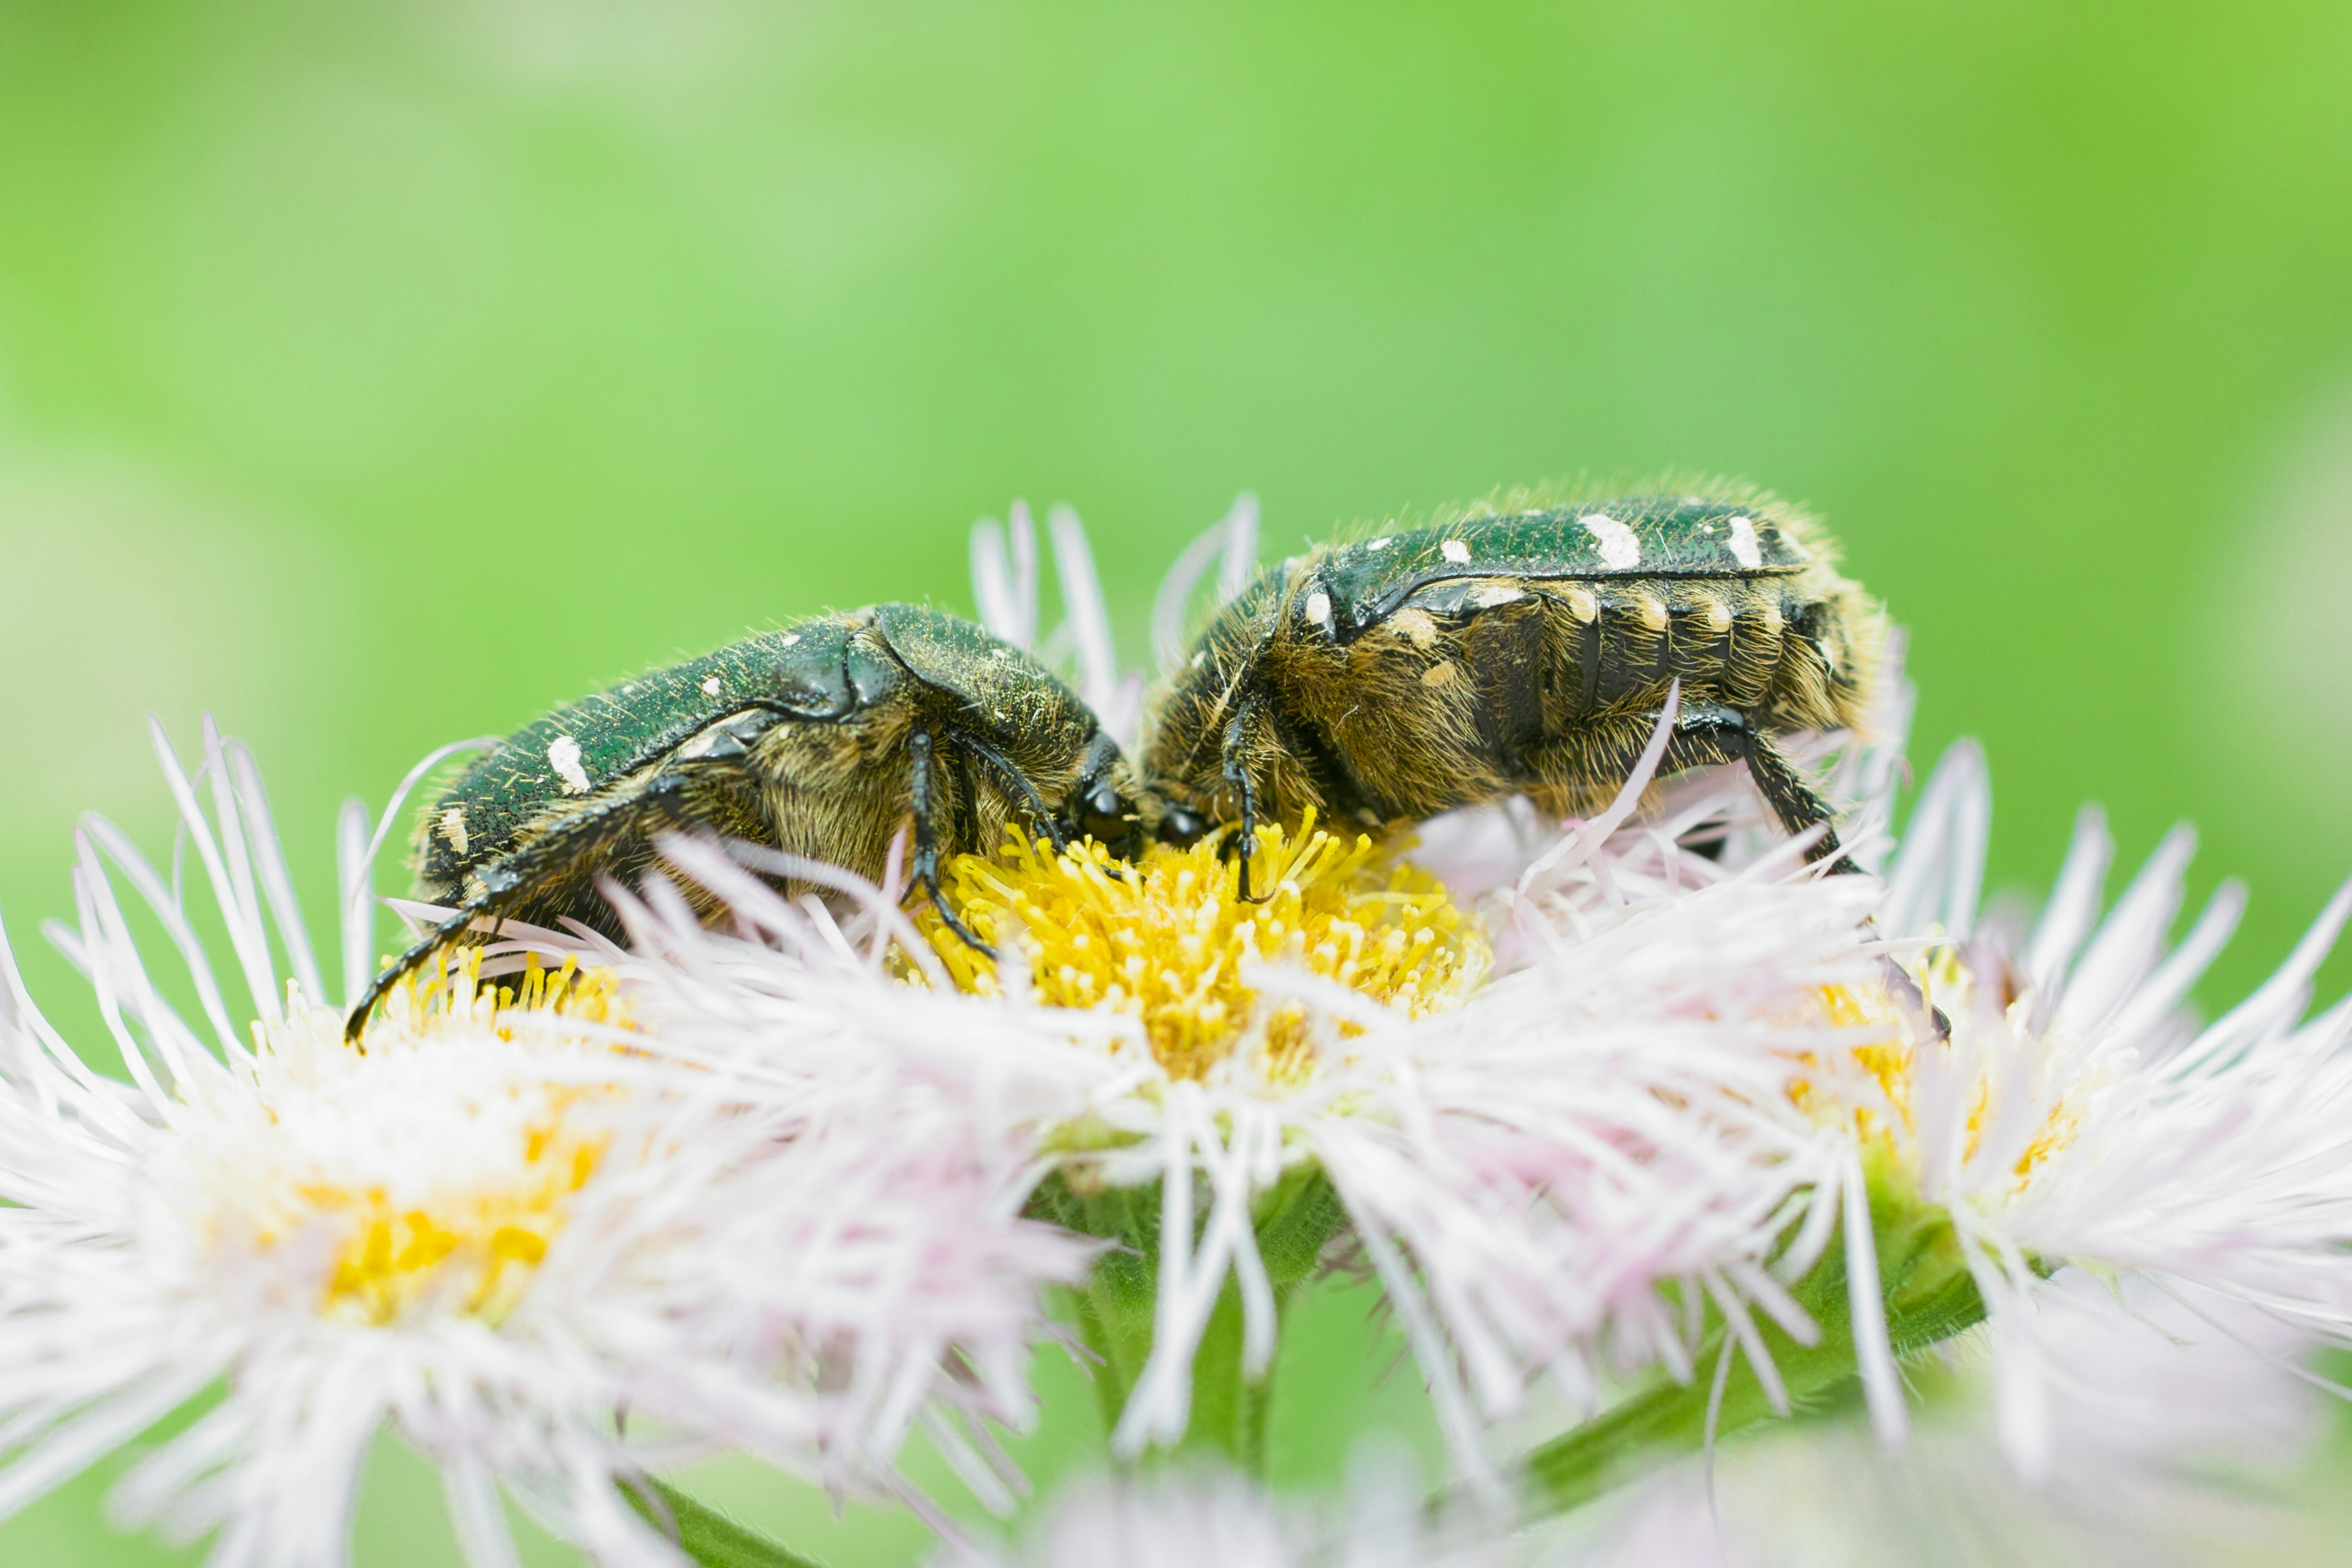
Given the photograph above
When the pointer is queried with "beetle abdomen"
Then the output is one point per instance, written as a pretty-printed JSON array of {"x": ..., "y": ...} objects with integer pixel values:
[{"x": 1403, "y": 675}]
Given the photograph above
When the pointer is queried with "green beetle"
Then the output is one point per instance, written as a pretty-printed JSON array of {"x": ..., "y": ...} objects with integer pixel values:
[
  {"x": 818, "y": 740},
  {"x": 1522, "y": 650}
]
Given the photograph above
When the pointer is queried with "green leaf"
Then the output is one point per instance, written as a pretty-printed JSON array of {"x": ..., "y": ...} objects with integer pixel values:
[{"x": 708, "y": 1536}]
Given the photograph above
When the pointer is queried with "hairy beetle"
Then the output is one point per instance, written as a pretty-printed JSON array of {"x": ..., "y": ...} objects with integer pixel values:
[
  {"x": 818, "y": 740},
  {"x": 1527, "y": 650}
]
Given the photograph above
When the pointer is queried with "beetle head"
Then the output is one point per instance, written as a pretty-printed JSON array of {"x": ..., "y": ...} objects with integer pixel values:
[{"x": 1102, "y": 805}]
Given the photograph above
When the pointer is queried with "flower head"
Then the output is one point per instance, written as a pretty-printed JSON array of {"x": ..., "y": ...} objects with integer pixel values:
[
  {"x": 2048, "y": 1091},
  {"x": 499, "y": 1227}
]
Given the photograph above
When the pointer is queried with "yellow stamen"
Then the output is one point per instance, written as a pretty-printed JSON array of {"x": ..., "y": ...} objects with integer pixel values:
[
  {"x": 469, "y": 1252},
  {"x": 1890, "y": 1052},
  {"x": 1165, "y": 940},
  {"x": 469, "y": 1246},
  {"x": 449, "y": 987}
]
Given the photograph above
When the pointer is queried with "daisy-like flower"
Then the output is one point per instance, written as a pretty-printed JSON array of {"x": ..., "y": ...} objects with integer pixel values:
[
  {"x": 548, "y": 1255},
  {"x": 1566, "y": 1165},
  {"x": 2049, "y": 1093}
]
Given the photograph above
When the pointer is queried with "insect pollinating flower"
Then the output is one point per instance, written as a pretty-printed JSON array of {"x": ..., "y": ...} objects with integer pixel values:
[
  {"x": 815, "y": 739},
  {"x": 1558, "y": 1172},
  {"x": 896, "y": 1024},
  {"x": 498, "y": 1228},
  {"x": 1525, "y": 649}
]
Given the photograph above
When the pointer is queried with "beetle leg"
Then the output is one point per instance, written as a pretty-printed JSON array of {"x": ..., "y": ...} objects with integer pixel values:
[
  {"x": 926, "y": 867},
  {"x": 523, "y": 874},
  {"x": 1237, "y": 774},
  {"x": 451, "y": 928},
  {"x": 1018, "y": 779},
  {"x": 1794, "y": 801},
  {"x": 1724, "y": 734}
]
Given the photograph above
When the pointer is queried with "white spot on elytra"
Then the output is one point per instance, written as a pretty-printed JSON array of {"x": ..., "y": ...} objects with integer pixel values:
[
  {"x": 1744, "y": 548},
  {"x": 1379, "y": 544},
  {"x": 1456, "y": 550},
  {"x": 791, "y": 637},
  {"x": 1488, "y": 595},
  {"x": 1620, "y": 551},
  {"x": 1415, "y": 626},
  {"x": 710, "y": 686},
  {"x": 1319, "y": 607},
  {"x": 564, "y": 756}
]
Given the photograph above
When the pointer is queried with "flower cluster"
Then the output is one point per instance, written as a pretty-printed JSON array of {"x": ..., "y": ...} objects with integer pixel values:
[{"x": 1642, "y": 1125}]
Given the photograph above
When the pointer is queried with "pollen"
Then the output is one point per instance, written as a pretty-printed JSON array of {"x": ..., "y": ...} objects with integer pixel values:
[
  {"x": 470, "y": 1252},
  {"x": 428, "y": 1177},
  {"x": 1167, "y": 941},
  {"x": 449, "y": 989},
  {"x": 1892, "y": 1052}
]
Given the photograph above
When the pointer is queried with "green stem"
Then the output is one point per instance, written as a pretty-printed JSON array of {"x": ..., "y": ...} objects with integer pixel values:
[
  {"x": 1929, "y": 1297},
  {"x": 708, "y": 1536},
  {"x": 1116, "y": 1310},
  {"x": 1228, "y": 1416}
]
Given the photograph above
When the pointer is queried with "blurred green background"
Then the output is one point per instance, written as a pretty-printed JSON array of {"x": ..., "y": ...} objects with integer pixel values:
[{"x": 374, "y": 375}]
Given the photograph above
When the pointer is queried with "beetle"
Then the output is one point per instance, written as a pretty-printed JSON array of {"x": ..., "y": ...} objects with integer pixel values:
[
  {"x": 817, "y": 739},
  {"x": 1522, "y": 650}
]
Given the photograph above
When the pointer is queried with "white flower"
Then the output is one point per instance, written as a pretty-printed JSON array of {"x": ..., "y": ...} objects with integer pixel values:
[
  {"x": 1555, "y": 1171},
  {"x": 2077, "y": 1115},
  {"x": 548, "y": 1257}
]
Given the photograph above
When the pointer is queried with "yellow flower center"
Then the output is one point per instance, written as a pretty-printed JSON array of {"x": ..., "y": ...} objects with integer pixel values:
[
  {"x": 436, "y": 1167},
  {"x": 471, "y": 1252},
  {"x": 1168, "y": 940},
  {"x": 1891, "y": 1054},
  {"x": 448, "y": 988}
]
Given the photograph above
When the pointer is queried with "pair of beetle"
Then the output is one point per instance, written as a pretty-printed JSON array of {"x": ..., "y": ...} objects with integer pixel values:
[{"x": 1380, "y": 680}]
